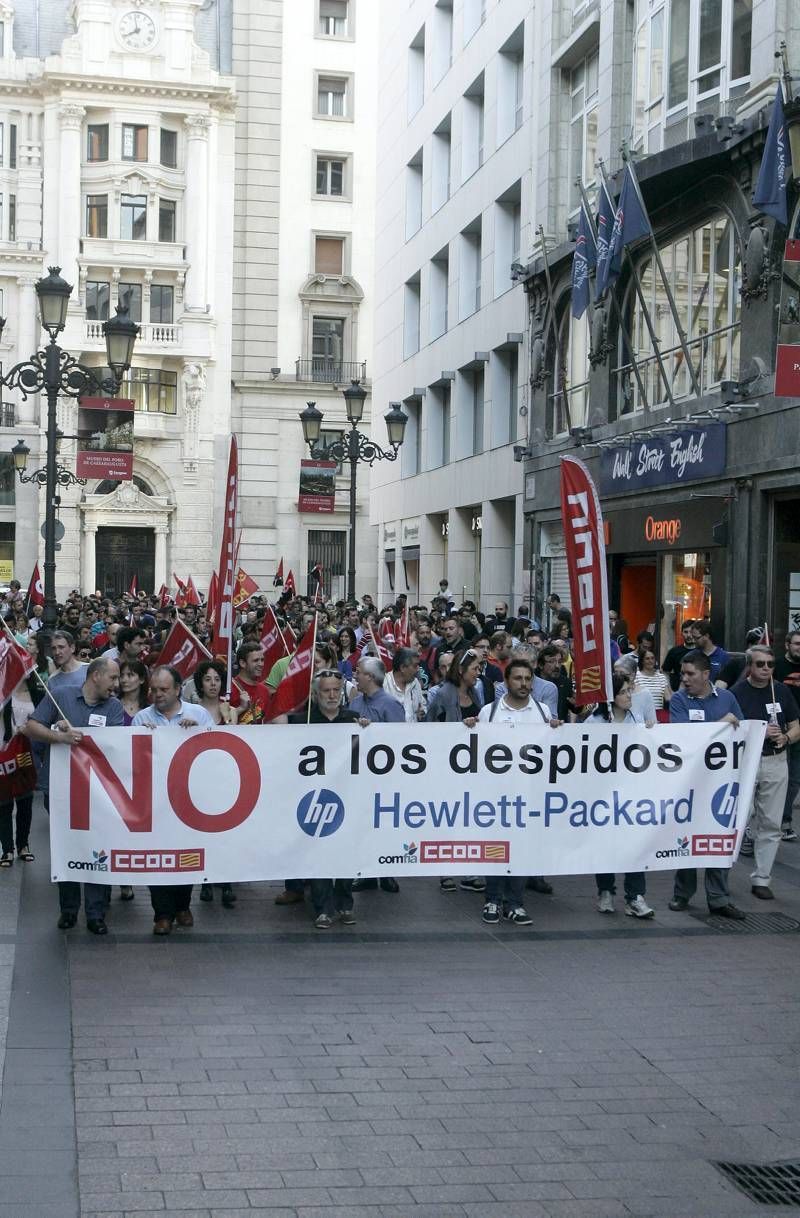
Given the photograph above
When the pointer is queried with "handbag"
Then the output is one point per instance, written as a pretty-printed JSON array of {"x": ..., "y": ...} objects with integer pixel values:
[{"x": 17, "y": 770}]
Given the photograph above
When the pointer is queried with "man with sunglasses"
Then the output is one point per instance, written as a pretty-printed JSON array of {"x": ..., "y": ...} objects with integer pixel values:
[{"x": 763, "y": 698}]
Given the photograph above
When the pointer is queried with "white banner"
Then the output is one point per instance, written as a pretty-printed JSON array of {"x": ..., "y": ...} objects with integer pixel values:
[{"x": 176, "y": 806}]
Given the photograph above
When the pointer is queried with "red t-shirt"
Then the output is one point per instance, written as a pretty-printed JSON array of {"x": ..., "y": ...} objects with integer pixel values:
[{"x": 260, "y": 696}]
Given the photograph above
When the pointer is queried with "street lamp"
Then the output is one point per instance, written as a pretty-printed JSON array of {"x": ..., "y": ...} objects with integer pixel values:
[
  {"x": 54, "y": 372},
  {"x": 353, "y": 447}
]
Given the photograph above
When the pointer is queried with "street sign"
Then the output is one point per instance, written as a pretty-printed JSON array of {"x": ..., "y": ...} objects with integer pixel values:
[{"x": 59, "y": 531}]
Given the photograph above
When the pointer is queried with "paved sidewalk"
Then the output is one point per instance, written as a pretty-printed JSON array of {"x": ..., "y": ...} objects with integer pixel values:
[{"x": 423, "y": 1065}]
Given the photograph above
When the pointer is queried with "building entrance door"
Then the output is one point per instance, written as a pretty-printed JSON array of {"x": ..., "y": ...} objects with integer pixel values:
[
  {"x": 122, "y": 553},
  {"x": 638, "y": 600}
]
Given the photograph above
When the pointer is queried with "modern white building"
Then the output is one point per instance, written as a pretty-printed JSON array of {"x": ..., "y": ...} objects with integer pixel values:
[
  {"x": 303, "y": 309},
  {"x": 455, "y": 149},
  {"x": 117, "y": 139}
]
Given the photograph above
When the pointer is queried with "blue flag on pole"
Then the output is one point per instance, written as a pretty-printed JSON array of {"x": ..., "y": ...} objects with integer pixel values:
[
  {"x": 605, "y": 223},
  {"x": 630, "y": 223},
  {"x": 584, "y": 260},
  {"x": 770, "y": 192}
]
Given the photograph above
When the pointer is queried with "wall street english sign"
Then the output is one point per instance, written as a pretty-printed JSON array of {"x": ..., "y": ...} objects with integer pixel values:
[{"x": 678, "y": 456}]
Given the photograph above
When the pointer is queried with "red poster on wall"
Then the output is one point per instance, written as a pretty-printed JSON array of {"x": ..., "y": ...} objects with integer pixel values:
[{"x": 105, "y": 438}]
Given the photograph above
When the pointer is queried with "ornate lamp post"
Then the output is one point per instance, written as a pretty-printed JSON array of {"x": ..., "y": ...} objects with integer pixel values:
[
  {"x": 54, "y": 371},
  {"x": 354, "y": 447}
]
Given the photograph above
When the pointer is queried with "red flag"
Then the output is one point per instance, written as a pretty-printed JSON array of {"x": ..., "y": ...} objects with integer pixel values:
[
  {"x": 382, "y": 652},
  {"x": 211, "y": 599},
  {"x": 192, "y": 595},
  {"x": 586, "y": 563},
  {"x": 278, "y": 580},
  {"x": 164, "y": 597},
  {"x": 180, "y": 600},
  {"x": 15, "y": 664},
  {"x": 223, "y": 617},
  {"x": 35, "y": 591},
  {"x": 182, "y": 650},
  {"x": 295, "y": 688},
  {"x": 272, "y": 640},
  {"x": 246, "y": 586},
  {"x": 289, "y": 639},
  {"x": 134, "y": 588},
  {"x": 291, "y": 587}
]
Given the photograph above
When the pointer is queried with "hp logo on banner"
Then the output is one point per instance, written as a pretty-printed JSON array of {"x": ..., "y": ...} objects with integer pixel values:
[
  {"x": 724, "y": 805},
  {"x": 320, "y": 813}
]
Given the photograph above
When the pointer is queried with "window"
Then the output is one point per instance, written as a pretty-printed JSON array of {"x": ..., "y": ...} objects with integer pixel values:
[
  {"x": 134, "y": 142},
  {"x": 169, "y": 148},
  {"x": 475, "y": 386},
  {"x": 411, "y": 452},
  {"x": 98, "y": 297},
  {"x": 416, "y": 73},
  {"x": 704, "y": 271},
  {"x": 327, "y": 438},
  {"x": 97, "y": 215},
  {"x": 12, "y": 146},
  {"x": 133, "y": 218},
  {"x": 332, "y": 97},
  {"x": 97, "y": 142},
  {"x": 442, "y": 22},
  {"x": 166, "y": 219},
  {"x": 327, "y": 347},
  {"x": 507, "y": 236},
  {"x": 333, "y": 16},
  {"x": 330, "y": 176},
  {"x": 439, "y": 286},
  {"x": 162, "y": 303},
  {"x": 153, "y": 390},
  {"x": 470, "y": 269},
  {"x": 583, "y": 126},
  {"x": 130, "y": 298},
  {"x": 505, "y": 391},
  {"x": 472, "y": 134},
  {"x": 473, "y": 16},
  {"x": 12, "y": 217},
  {"x": 437, "y": 416},
  {"x": 414, "y": 195},
  {"x": 411, "y": 312},
  {"x": 329, "y": 255},
  {"x": 2, "y": 144},
  {"x": 510, "y": 85},
  {"x": 687, "y": 52},
  {"x": 7, "y": 489},
  {"x": 441, "y": 153}
]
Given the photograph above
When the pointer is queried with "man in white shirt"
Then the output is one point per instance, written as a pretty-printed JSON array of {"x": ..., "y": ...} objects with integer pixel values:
[{"x": 516, "y": 708}]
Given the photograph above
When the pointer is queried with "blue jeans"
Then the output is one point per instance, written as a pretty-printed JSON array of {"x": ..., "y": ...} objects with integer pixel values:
[
  {"x": 330, "y": 896},
  {"x": 635, "y": 884},
  {"x": 716, "y": 883},
  {"x": 506, "y": 890}
]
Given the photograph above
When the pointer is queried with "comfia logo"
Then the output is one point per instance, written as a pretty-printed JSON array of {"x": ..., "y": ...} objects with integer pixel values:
[
  {"x": 99, "y": 862},
  {"x": 682, "y": 850},
  {"x": 409, "y": 855},
  {"x": 320, "y": 813},
  {"x": 725, "y": 805}
]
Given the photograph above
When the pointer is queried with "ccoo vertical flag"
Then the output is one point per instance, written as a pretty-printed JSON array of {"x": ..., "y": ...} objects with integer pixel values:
[
  {"x": 223, "y": 623},
  {"x": 770, "y": 192}
]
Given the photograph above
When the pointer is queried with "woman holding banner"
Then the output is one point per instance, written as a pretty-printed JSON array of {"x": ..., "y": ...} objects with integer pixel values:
[{"x": 621, "y": 713}]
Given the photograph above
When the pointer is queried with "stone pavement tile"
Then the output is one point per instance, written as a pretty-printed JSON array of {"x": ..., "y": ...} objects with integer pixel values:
[
  {"x": 97, "y": 1203},
  {"x": 421, "y": 1211},
  {"x": 503, "y": 1209}
]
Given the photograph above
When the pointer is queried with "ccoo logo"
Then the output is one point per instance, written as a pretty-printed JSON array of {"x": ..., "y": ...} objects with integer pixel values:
[
  {"x": 724, "y": 805},
  {"x": 320, "y": 813}
]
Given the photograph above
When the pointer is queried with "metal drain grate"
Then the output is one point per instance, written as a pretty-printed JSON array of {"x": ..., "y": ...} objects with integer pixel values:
[
  {"x": 767, "y": 1183},
  {"x": 753, "y": 924}
]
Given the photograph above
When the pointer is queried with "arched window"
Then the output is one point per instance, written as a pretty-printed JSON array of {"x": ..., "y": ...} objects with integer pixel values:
[
  {"x": 703, "y": 268},
  {"x": 109, "y": 486},
  {"x": 568, "y": 394}
]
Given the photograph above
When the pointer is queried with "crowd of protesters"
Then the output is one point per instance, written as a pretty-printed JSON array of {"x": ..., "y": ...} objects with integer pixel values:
[{"x": 400, "y": 663}]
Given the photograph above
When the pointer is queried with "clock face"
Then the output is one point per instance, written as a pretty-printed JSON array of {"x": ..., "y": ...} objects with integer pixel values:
[{"x": 137, "y": 31}]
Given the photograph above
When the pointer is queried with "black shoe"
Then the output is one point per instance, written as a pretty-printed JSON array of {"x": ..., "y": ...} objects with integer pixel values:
[
  {"x": 228, "y": 896},
  {"x": 539, "y": 884},
  {"x": 728, "y": 911},
  {"x": 206, "y": 892},
  {"x": 96, "y": 926},
  {"x": 389, "y": 885},
  {"x": 363, "y": 885},
  {"x": 67, "y": 921},
  {"x": 678, "y": 905},
  {"x": 763, "y": 892},
  {"x": 126, "y": 893}
]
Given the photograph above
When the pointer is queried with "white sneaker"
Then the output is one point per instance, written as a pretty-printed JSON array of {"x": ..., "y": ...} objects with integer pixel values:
[
  {"x": 605, "y": 902},
  {"x": 638, "y": 908}
]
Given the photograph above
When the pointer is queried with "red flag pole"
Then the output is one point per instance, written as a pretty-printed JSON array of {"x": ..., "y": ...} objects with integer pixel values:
[
  {"x": 311, "y": 668},
  {"x": 35, "y": 673}
]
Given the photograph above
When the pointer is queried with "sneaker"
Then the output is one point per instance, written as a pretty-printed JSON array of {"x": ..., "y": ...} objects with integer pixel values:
[
  {"x": 448, "y": 884},
  {"x": 491, "y": 912},
  {"x": 347, "y": 917},
  {"x": 605, "y": 902},
  {"x": 788, "y": 834},
  {"x": 323, "y": 922},
  {"x": 518, "y": 916},
  {"x": 473, "y": 883},
  {"x": 638, "y": 908},
  {"x": 747, "y": 849}
]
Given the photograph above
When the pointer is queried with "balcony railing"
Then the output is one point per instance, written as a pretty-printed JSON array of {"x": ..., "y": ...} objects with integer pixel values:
[
  {"x": 330, "y": 372},
  {"x": 153, "y": 334}
]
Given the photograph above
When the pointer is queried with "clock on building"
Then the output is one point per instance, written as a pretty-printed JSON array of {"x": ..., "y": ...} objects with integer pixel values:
[{"x": 137, "y": 31}]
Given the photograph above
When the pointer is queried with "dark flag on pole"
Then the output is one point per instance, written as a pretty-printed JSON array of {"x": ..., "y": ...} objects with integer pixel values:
[
  {"x": 770, "y": 192},
  {"x": 605, "y": 223},
  {"x": 278, "y": 580},
  {"x": 630, "y": 223},
  {"x": 584, "y": 261}
]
